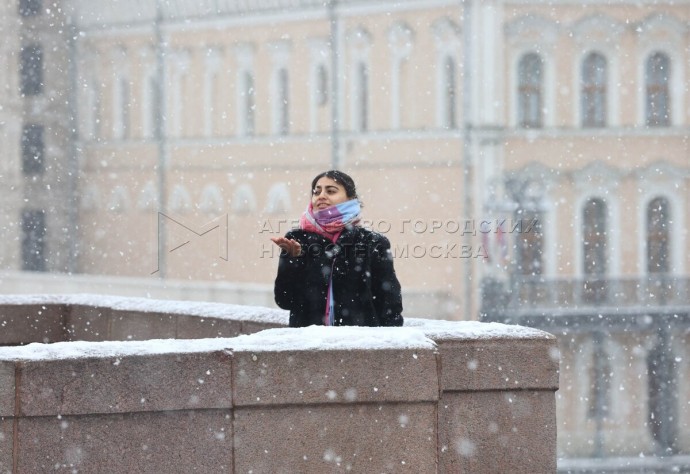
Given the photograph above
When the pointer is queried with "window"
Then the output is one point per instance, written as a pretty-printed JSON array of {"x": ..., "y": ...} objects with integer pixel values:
[
  {"x": 657, "y": 74},
  {"x": 658, "y": 237},
  {"x": 33, "y": 149},
  {"x": 283, "y": 102},
  {"x": 321, "y": 85},
  {"x": 247, "y": 102},
  {"x": 600, "y": 374},
  {"x": 593, "y": 93},
  {"x": 97, "y": 110},
  {"x": 33, "y": 241},
  {"x": 449, "y": 113},
  {"x": 29, "y": 7},
  {"x": 362, "y": 97},
  {"x": 31, "y": 70},
  {"x": 121, "y": 109},
  {"x": 149, "y": 107},
  {"x": 212, "y": 67},
  {"x": 400, "y": 39},
  {"x": 595, "y": 254},
  {"x": 530, "y": 74},
  {"x": 530, "y": 244}
]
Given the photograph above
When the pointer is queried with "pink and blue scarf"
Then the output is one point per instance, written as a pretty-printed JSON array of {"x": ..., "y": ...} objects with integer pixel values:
[{"x": 330, "y": 223}]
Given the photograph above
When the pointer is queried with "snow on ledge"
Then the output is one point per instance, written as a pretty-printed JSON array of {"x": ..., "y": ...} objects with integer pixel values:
[
  {"x": 122, "y": 303},
  {"x": 270, "y": 340},
  {"x": 416, "y": 334},
  {"x": 467, "y": 330}
]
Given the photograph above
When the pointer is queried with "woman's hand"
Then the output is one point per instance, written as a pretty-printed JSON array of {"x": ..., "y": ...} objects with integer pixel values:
[{"x": 289, "y": 246}]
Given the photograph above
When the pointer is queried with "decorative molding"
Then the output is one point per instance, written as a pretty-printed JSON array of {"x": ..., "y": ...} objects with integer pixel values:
[
  {"x": 148, "y": 197},
  {"x": 597, "y": 29},
  {"x": 244, "y": 200},
  {"x": 533, "y": 29},
  {"x": 278, "y": 200},
  {"x": 211, "y": 199},
  {"x": 446, "y": 32},
  {"x": 179, "y": 200}
]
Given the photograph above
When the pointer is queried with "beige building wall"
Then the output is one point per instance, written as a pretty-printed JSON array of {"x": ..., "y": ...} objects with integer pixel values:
[{"x": 421, "y": 183}]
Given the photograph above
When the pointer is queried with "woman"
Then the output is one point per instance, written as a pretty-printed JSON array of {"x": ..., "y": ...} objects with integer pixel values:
[{"x": 332, "y": 271}]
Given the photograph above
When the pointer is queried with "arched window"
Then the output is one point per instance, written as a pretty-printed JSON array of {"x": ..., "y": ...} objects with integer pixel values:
[
  {"x": 594, "y": 242},
  {"x": 449, "y": 93},
  {"x": 657, "y": 75},
  {"x": 530, "y": 100},
  {"x": 593, "y": 93},
  {"x": 658, "y": 236}
]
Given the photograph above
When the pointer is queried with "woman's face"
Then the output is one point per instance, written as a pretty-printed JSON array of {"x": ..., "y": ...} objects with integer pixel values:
[{"x": 327, "y": 193}]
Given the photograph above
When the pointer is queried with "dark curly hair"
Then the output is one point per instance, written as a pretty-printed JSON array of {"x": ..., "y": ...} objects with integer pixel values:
[{"x": 341, "y": 178}]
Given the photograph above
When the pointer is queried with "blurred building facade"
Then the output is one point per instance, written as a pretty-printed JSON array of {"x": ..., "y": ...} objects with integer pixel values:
[{"x": 528, "y": 160}]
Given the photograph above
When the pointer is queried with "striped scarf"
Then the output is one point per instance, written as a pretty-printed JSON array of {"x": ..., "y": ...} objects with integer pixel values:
[{"x": 331, "y": 221}]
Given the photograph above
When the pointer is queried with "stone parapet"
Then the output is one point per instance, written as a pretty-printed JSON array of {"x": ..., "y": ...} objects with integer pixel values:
[{"x": 431, "y": 397}]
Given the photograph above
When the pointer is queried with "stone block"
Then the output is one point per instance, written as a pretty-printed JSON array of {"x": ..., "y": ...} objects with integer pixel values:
[
  {"x": 196, "y": 327},
  {"x": 490, "y": 432},
  {"x": 395, "y": 438},
  {"x": 7, "y": 393},
  {"x": 334, "y": 376},
  {"x": 26, "y": 323},
  {"x": 169, "y": 442},
  {"x": 128, "y": 384},
  {"x": 140, "y": 326},
  {"x": 6, "y": 445},
  {"x": 499, "y": 364},
  {"x": 88, "y": 323}
]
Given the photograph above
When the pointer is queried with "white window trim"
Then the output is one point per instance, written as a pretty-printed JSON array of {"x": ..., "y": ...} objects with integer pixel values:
[
  {"x": 601, "y": 34},
  {"x": 548, "y": 86},
  {"x": 604, "y": 187},
  {"x": 280, "y": 59},
  {"x": 675, "y": 86},
  {"x": 447, "y": 39},
  {"x": 320, "y": 56},
  {"x": 245, "y": 65},
  {"x": 179, "y": 78},
  {"x": 120, "y": 75},
  {"x": 655, "y": 186},
  {"x": 211, "y": 200},
  {"x": 400, "y": 42},
  {"x": 180, "y": 200},
  {"x": 519, "y": 41},
  {"x": 244, "y": 192},
  {"x": 212, "y": 65},
  {"x": 672, "y": 31},
  {"x": 148, "y": 96},
  {"x": 612, "y": 88},
  {"x": 278, "y": 199},
  {"x": 359, "y": 45}
]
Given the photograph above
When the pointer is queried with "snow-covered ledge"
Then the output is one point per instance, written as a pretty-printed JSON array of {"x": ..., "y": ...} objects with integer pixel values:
[{"x": 107, "y": 384}]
